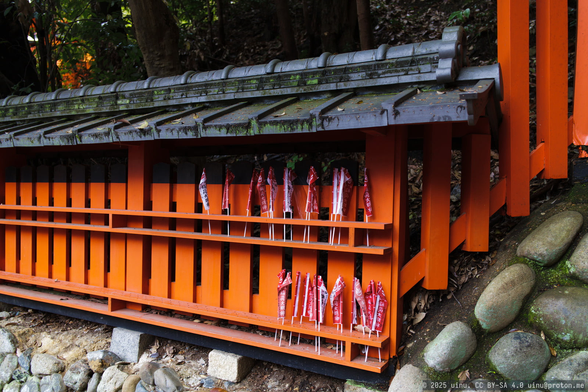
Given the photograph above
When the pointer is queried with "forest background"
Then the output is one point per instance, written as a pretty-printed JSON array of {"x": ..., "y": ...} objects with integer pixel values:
[{"x": 50, "y": 44}]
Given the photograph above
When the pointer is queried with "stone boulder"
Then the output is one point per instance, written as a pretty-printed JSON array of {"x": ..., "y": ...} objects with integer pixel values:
[
  {"x": 32, "y": 385},
  {"x": 53, "y": 383},
  {"x": 504, "y": 297},
  {"x": 520, "y": 356},
  {"x": 94, "y": 382},
  {"x": 8, "y": 342},
  {"x": 112, "y": 380},
  {"x": 575, "y": 367},
  {"x": 45, "y": 364},
  {"x": 562, "y": 313},
  {"x": 167, "y": 380},
  {"x": 24, "y": 359},
  {"x": 8, "y": 366},
  {"x": 147, "y": 370},
  {"x": 408, "y": 379},
  {"x": 14, "y": 386},
  {"x": 77, "y": 376},
  {"x": 100, "y": 360},
  {"x": 130, "y": 383},
  {"x": 548, "y": 242},
  {"x": 578, "y": 262},
  {"x": 454, "y": 345},
  {"x": 20, "y": 375}
]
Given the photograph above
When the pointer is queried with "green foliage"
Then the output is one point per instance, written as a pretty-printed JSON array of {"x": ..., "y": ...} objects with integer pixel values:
[
  {"x": 295, "y": 158},
  {"x": 459, "y": 17}
]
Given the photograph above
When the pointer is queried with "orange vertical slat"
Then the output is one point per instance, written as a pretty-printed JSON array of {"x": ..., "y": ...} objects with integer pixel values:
[
  {"x": 475, "y": 191},
  {"x": 580, "y": 117},
  {"x": 44, "y": 235},
  {"x": 27, "y": 234},
  {"x": 240, "y": 269},
  {"x": 513, "y": 56},
  {"x": 138, "y": 250},
  {"x": 79, "y": 259},
  {"x": 160, "y": 256},
  {"x": 118, "y": 244},
  {"x": 380, "y": 162},
  {"x": 212, "y": 263},
  {"x": 98, "y": 255},
  {"x": 185, "y": 285},
  {"x": 12, "y": 233},
  {"x": 61, "y": 237},
  {"x": 435, "y": 207},
  {"x": 552, "y": 85}
]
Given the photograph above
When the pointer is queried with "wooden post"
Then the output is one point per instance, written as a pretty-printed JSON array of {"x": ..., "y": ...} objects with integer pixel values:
[
  {"x": 79, "y": 257},
  {"x": 118, "y": 245},
  {"x": 44, "y": 249},
  {"x": 97, "y": 271},
  {"x": 513, "y": 56},
  {"x": 160, "y": 251},
  {"x": 27, "y": 234},
  {"x": 61, "y": 237}
]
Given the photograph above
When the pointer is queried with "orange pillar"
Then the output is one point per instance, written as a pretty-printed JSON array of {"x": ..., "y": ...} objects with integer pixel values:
[
  {"x": 552, "y": 85},
  {"x": 61, "y": 237},
  {"x": 435, "y": 207},
  {"x": 98, "y": 255},
  {"x": 513, "y": 56},
  {"x": 580, "y": 126},
  {"x": 380, "y": 162},
  {"x": 27, "y": 234},
  {"x": 12, "y": 233},
  {"x": 475, "y": 190},
  {"x": 160, "y": 255},
  {"x": 79, "y": 258},
  {"x": 185, "y": 286},
  {"x": 118, "y": 244},
  {"x": 140, "y": 168},
  {"x": 44, "y": 241}
]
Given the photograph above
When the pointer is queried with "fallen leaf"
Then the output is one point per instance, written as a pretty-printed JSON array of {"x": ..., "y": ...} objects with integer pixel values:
[
  {"x": 440, "y": 92},
  {"x": 553, "y": 352},
  {"x": 179, "y": 120},
  {"x": 465, "y": 375},
  {"x": 359, "y": 102},
  {"x": 418, "y": 318},
  {"x": 542, "y": 335},
  {"x": 122, "y": 120},
  {"x": 143, "y": 125},
  {"x": 279, "y": 115},
  {"x": 196, "y": 115},
  {"x": 340, "y": 109}
]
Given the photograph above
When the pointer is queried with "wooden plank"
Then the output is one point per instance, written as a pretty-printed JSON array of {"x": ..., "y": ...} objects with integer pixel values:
[
  {"x": 435, "y": 208},
  {"x": 61, "y": 237},
  {"x": 537, "y": 160},
  {"x": 97, "y": 270},
  {"x": 513, "y": 56},
  {"x": 160, "y": 251},
  {"x": 27, "y": 234},
  {"x": 12, "y": 233},
  {"x": 552, "y": 85},
  {"x": 185, "y": 284},
  {"x": 412, "y": 272},
  {"x": 118, "y": 243},
  {"x": 44, "y": 240},
  {"x": 475, "y": 191},
  {"x": 79, "y": 257}
]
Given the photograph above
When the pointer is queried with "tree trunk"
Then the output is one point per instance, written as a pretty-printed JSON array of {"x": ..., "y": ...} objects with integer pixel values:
[
  {"x": 366, "y": 36},
  {"x": 221, "y": 22},
  {"x": 286, "y": 30},
  {"x": 157, "y": 35},
  {"x": 338, "y": 26},
  {"x": 17, "y": 64}
]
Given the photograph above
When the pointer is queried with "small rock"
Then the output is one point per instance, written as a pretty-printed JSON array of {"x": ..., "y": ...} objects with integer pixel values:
[
  {"x": 352, "y": 386},
  {"x": 77, "y": 376},
  {"x": 53, "y": 383},
  {"x": 578, "y": 262},
  {"x": 562, "y": 313},
  {"x": 147, "y": 370},
  {"x": 454, "y": 345},
  {"x": 24, "y": 359},
  {"x": 128, "y": 344},
  {"x": 520, "y": 356},
  {"x": 8, "y": 366},
  {"x": 571, "y": 368},
  {"x": 20, "y": 375},
  {"x": 141, "y": 387},
  {"x": 4, "y": 315},
  {"x": 408, "y": 379},
  {"x": 45, "y": 364},
  {"x": 101, "y": 360},
  {"x": 130, "y": 383},
  {"x": 548, "y": 242},
  {"x": 112, "y": 380},
  {"x": 94, "y": 381},
  {"x": 208, "y": 382},
  {"x": 504, "y": 296},
  {"x": 8, "y": 342},
  {"x": 167, "y": 380},
  {"x": 32, "y": 385},
  {"x": 14, "y": 386}
]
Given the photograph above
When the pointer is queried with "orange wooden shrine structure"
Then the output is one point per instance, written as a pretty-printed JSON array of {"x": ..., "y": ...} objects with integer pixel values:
[{"x": 127, "y": 238}]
